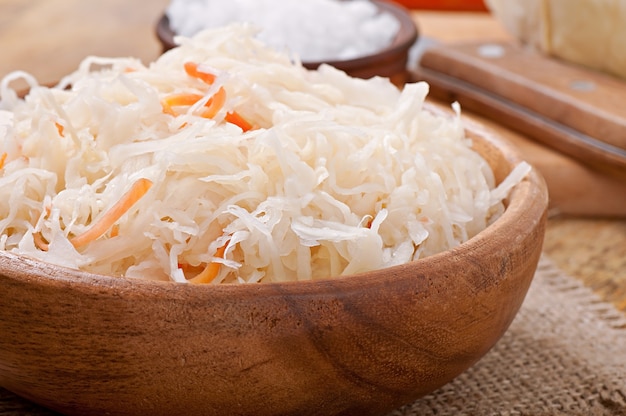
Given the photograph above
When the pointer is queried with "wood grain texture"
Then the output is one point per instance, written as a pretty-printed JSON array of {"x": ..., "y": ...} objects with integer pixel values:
[
  {"x": 599, "y": 262},
  {"x": 588, "y": 249},
  {"x": 573, "y": 110},
  {"x": 575, "y": 189},
  {"x": 87, "y": 345},
  {"x": 50, "y": 38}
]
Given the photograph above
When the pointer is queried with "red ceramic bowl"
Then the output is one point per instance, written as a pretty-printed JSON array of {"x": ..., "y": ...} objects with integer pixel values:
[{"x": 449, "y": 5}]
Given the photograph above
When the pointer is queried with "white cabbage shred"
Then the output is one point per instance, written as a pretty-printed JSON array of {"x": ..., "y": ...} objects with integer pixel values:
[{"x": 338, "y": 176}]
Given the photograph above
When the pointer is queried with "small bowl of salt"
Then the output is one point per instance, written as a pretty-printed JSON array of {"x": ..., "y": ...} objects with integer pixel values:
[{"x": 364, "y": 38}]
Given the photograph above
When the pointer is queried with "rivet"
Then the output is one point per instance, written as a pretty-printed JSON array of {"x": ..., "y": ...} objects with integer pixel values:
[
  {"x": 490, "y": 50},
  {"x": 582, "y": 85}
]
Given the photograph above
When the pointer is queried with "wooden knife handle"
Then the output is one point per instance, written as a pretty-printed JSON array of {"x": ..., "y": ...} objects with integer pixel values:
[{"x": 576, "y": 111}]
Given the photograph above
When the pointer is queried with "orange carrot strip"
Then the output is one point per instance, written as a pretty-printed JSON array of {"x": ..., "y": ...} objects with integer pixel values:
[
  {"x": 40, "y": 243},
  {"x": 191, "y": 69},
  {"x": 182, "y": 99},
  {"x": 115, "y": 230},
  {"x": 98, "y": 228},
  {"x": 175, "y": 100},
  {"x": 167, "y": 109},
  {"x": 60, "y": 129},
  {"x": 215, "y": 103},
  {"x": 211, "y": 270},
  {"x": 236, "y": 119},
  {"x": 3, "y": 159}
]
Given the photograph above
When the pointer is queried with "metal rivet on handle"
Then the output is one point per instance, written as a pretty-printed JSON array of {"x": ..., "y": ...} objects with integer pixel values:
[
  {"x": 582, "y": 85},
  {"x": 491, "y": 50}
]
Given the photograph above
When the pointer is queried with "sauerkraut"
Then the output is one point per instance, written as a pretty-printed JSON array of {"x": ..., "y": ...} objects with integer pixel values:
[{"x": 225, "y": 161}]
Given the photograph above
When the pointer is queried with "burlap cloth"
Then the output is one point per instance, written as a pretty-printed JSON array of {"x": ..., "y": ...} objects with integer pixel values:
[{"x": 565, "y": 354}]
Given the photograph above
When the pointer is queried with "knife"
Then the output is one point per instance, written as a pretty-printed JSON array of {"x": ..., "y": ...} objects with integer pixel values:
[{"x": 576, "y": 111}]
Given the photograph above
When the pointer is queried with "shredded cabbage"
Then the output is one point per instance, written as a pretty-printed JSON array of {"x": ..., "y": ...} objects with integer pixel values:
[{"x": 337, "y": 175}]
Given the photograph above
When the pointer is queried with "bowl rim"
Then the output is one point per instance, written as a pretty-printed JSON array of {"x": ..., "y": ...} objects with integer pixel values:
[
  {"x": 529, "y": 198},
  {"x": 405, "y": 38}
]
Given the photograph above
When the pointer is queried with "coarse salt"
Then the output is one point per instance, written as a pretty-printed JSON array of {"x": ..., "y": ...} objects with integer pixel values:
[{"x": 314, "y": 30}]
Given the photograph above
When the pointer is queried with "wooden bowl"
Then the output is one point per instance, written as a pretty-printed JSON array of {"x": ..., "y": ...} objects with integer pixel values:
[
  {"x": 390, "y": 62},
  {"x": 84, "y": 344}
]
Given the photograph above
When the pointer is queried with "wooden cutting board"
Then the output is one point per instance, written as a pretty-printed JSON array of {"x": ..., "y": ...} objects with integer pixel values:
[
  {"x": 578, "y": 112},
  {"x": 568, "y": 121}
]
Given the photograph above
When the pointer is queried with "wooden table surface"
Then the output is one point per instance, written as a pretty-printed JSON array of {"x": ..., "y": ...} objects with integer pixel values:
[{"x": 48, "y": 38}]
